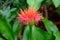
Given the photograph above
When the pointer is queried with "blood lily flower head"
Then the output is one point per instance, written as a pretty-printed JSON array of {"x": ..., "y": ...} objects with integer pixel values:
[{"x": 28, "y": 15}]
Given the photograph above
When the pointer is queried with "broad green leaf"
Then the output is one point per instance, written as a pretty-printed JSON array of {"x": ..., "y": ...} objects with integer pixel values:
[
  {"x": 35, "y": 4},
  {"x": 16, "y": 38},
  {"x": 50, "y": 26},
  {"x": 56, "y": 2},
  {"x": 26, "y": 33},
  {"x": 6, "y": 29},
  {"x": 57, "y": 35},
  {"x": 34, "y": 33},
  {"x": 38, "y": 34},
  {"x": 1, "y": 39},
  {"x": 16, "y": 27}
]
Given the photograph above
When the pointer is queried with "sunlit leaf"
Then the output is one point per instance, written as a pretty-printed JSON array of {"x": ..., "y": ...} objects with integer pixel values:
[
  {"x": 50, "y": 26},
  {"x": 56, "y": 2},
  {"x": 37, "y": 34},
  {"x": 6, "y": 29},
  {"x": 57, "y": 35},
  {"x": 1, "y": 39},
  {"x": 34, "y": 33},
  {"x": 35, "y": 4},
  {"x": 26, "y": 33}
]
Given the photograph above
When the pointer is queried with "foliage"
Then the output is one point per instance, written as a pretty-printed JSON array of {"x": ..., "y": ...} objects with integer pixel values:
[{"x": 10, "y": 27}]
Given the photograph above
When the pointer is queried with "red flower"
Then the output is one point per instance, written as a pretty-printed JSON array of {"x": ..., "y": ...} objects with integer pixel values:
[{"x": 28, "y": 15}]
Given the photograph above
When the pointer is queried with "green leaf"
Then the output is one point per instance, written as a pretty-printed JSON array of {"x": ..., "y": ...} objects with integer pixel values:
[
  {"x": 6, "y": 29},
  {"x": 35, "y": 4},
  {"x": 16, "y": 27},
  {"x": 13, "y": 9},
  {"x": 56, "y": 2},
  {"x": 34, "y": 33},
  {"x": 38, "y": 34},
  {"x": 50, "y": 26},
  {"x": 16, "y": 2},
  {"x": 1, "y": 39},
  {"x": 8, "y": 13},
  {"x": 57, "y": 35},
  {"x": 26, "y": 33}
]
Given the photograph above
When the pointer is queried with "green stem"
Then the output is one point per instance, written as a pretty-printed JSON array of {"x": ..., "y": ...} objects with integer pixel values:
[{"x": 30, "y": 32}]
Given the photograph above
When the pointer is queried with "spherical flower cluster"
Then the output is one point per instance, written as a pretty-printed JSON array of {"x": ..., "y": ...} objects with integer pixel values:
[{"x": 28, "y": 15}]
